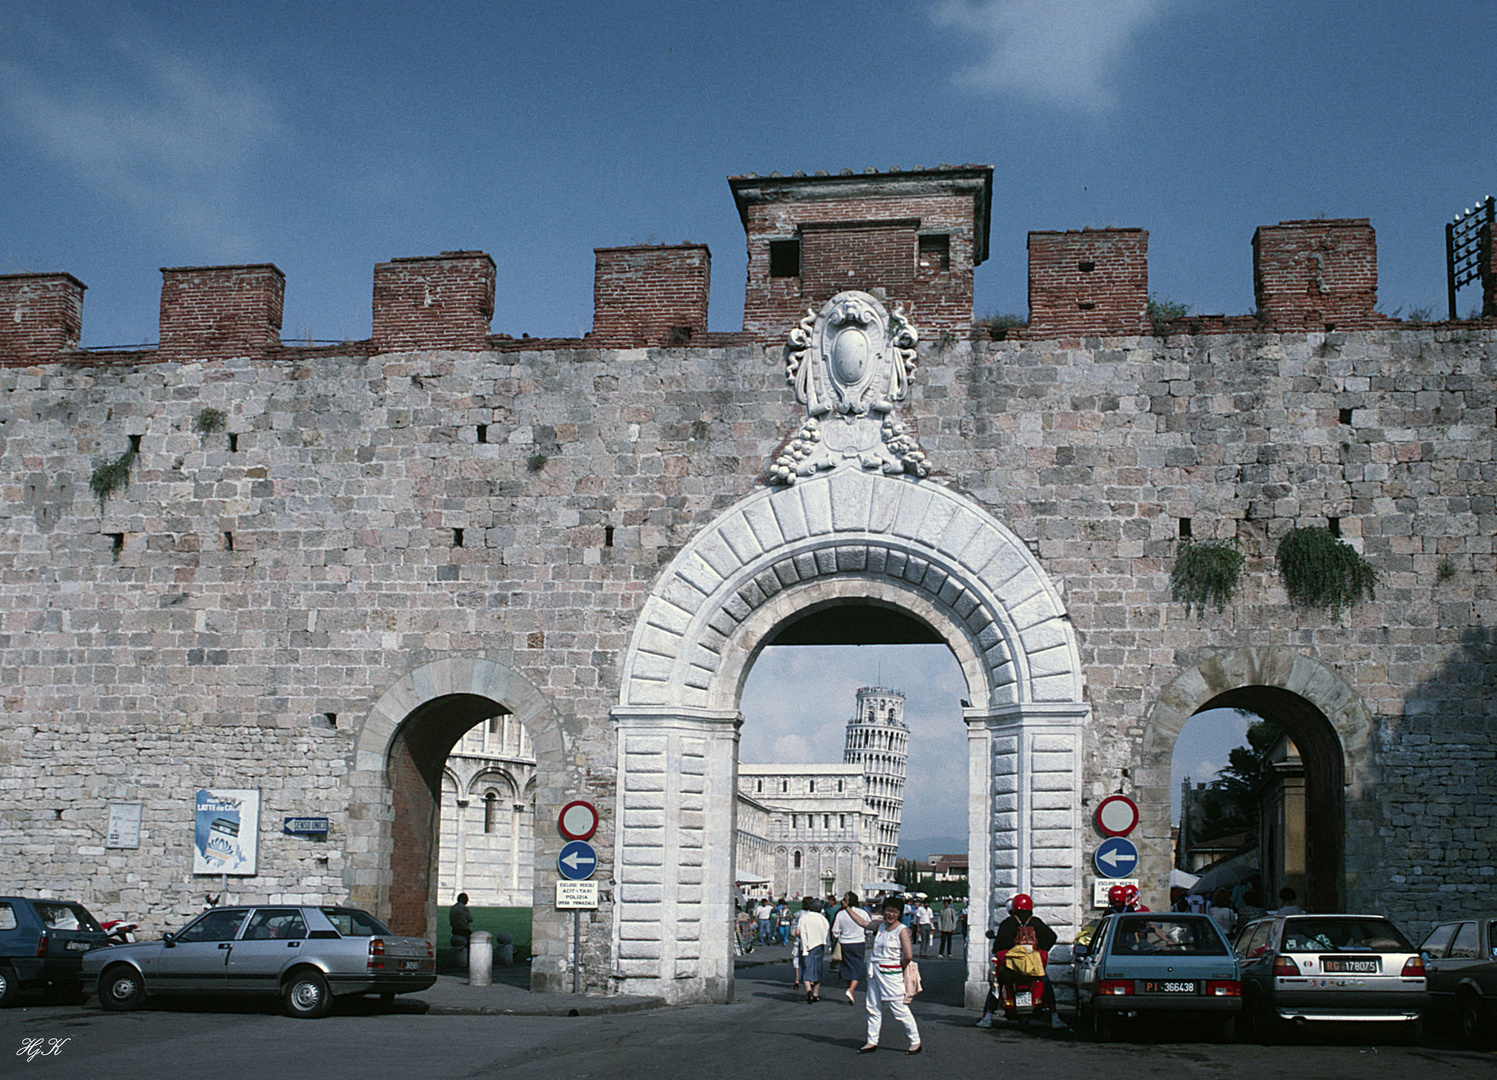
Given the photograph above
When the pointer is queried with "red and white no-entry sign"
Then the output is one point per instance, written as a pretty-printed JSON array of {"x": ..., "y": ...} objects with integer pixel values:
[
  {"x": 578, "y": 820},
  {"x": 1117, "y": 815}
]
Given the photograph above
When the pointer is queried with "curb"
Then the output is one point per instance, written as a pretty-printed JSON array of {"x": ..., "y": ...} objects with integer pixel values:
[{"x": 583, "y": 1007}]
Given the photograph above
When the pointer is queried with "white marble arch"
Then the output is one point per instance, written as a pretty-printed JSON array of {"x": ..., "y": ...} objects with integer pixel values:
[
  {"x": 371, "y": 811},
  {"x": 847, "y": 537}
]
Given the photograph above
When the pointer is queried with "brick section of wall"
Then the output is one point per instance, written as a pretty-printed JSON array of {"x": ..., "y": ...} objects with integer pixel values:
[
  {"x": 1317, "y": 275},
  {"x": 1092, "y": 282},
  {"x": 650, "y": 295},
  {"x": 41, "y": 315},
  {"x": 869, "y": 225},
  {"x": 441, "y": 301},
  {"x": 863, "y": 255},
  {"x": 217, "y": 312}
]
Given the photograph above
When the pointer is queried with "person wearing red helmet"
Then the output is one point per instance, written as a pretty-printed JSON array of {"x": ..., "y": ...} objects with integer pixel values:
[
  {"x": 1022, "y": 927},
  {"x": 1130, "y": 899}
]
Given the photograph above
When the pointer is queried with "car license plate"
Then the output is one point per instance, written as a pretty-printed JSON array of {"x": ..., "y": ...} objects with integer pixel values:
[
  {"x": 409, "y": 965},
  {"x": 1024, "y": 999},
  {"x": 1350, "y": 967},
  {"x": 81, "y": 946},
  {"x": 1153, "y": 987}
]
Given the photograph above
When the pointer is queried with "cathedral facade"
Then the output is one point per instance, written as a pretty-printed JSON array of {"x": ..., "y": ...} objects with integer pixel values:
[{"x": 818, "y": 830}]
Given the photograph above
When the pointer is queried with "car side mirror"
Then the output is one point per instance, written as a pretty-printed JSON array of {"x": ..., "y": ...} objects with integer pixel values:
[
  {"x": 169, "y": 940},
  {"x": 1079, "y": 952}
]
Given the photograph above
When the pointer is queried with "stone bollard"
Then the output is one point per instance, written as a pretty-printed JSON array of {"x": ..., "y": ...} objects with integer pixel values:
[{"x": 481, "y": 959}]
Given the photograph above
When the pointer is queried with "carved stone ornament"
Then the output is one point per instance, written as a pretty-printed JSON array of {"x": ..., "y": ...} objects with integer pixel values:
[{"x": 849, "y": 363}]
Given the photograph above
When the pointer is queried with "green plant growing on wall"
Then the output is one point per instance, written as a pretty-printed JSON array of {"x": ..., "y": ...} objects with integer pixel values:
[
  {"x": 1162, "y": 312},
  {"x": 1206, "y": 573},
  {"x": 112, "y": 476},
  {"x": 536, "y": 462},
  {"x": 1321, "y": 571},
  {"x": 1446, "y": 570},
  {"x": 208, "y": 420}
]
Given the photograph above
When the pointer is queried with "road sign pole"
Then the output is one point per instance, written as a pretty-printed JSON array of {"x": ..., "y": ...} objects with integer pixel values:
[{"x": 576, "y": 950}]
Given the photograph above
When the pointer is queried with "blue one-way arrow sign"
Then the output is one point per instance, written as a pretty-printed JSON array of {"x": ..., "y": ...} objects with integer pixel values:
[
  {"x": 577, "y": 861},
  {"x": 1116, "y": 857}
]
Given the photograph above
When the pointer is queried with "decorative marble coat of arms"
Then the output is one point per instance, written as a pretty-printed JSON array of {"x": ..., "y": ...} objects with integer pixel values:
[{"x": 849, "y": 363}]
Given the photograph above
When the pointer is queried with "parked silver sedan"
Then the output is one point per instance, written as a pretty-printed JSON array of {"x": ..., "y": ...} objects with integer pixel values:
[{"x": 306, "y": 954}]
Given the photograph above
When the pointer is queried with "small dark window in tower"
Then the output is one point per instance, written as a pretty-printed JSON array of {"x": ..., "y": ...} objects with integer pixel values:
[
  {"x": 678, "y": 335},
  {"x": 1334, "y": 525},
  {"x": 490, "y": 812},
  {"x": 134, "y": 444},
  {"x": 608, "y": 536},
  {"x": 483, "y": 433},
  {"x": 1185, "y": 528},
  {"x": 797, "y": 860},
  {"x": 228, "y": 541},
  {"x": 1346, "y": 416},
  {"x": 1086, "y": 267},
  {"x": 812, "y": 788},
  {"x": 784, "y": 258},
  {"x": 233, "y": 443},
  {"x": 116, "y": 544},
  {"x": 331, "y": 718},
  {"x": 758, "y": 786},
  {"x": 457, "y": 537},
  {"x": 935, "y": 253}
]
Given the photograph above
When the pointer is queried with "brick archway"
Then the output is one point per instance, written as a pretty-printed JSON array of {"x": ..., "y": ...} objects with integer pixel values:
[
  {"x": 1317, "y": 708},
  {"x": 844, "y": 538},
  {"x": 395, "y": 780}
]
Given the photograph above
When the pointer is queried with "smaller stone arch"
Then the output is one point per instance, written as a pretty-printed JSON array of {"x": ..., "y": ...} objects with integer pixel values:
[
  {"x": 1322, "y": 711},
  {"x": 434, "y": 704}
]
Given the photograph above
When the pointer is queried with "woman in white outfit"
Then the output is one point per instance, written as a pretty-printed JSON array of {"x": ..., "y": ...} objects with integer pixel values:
[{"x": 886, "y": 963}]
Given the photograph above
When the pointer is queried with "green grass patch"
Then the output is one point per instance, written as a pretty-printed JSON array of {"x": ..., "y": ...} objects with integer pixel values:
[{"x": 494, "y": 920}]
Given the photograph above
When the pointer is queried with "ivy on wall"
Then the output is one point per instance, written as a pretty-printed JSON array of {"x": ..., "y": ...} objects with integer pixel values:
[
  {"x": 1206, "y": 573},
  {"x": 1321, "y": 571}
]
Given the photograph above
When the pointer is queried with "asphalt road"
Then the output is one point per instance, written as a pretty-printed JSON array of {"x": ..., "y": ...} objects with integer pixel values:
[{"x": 769, "y": 1033}]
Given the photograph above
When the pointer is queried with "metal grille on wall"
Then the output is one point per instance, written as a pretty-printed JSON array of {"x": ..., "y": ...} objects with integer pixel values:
[{"x": 1468, "y": 249}]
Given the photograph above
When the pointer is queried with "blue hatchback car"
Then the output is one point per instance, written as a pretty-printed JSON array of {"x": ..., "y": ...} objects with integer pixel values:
[{"x": 1142, "y": 963}]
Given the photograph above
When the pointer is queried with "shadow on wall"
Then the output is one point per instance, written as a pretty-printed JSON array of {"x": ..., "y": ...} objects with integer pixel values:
[{"x": 1439, "y": 789}]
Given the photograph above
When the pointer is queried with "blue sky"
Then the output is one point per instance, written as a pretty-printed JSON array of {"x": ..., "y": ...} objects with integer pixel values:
[{"x": 326, "y": 138}]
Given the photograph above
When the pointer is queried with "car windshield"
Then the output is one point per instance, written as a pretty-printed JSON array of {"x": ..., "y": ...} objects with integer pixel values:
[
  {"x": 351, "y": 922},
  {"x": 1166, "y": 935},
  {"x": 63, "y": 916},
  {"x": 1343, "y": 935}
]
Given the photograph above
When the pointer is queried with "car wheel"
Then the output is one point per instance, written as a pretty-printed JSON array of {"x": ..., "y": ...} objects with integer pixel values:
[
  {"x": 307, "y": 995},
  {"x": 7, "y": 985},
  {"x": 121, "y": 988},
  {"x": 1267, "y": 1024},
  {"x": 386, "y": 999},
  {"x": 1226, "y": 1029},
  {"x": 1475, "y": 1024},
  {"x": 1098, "y": 1026}
]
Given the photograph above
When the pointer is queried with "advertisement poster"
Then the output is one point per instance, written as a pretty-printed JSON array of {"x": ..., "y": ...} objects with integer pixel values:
[
  {"x": 225, "y": 831},
  {"x": 124, "y": 826}
]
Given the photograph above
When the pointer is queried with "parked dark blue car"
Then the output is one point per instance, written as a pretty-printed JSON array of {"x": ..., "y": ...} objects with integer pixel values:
[{"x": 42, "y": 943}]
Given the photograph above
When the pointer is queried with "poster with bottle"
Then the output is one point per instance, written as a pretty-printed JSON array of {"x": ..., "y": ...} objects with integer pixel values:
[{"x": 225, "y": 831}]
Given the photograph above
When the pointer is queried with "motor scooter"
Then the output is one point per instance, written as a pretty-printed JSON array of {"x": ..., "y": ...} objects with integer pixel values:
[
  {"x": 119, "y": 931},
  {"x": 1022, "y": 996}
]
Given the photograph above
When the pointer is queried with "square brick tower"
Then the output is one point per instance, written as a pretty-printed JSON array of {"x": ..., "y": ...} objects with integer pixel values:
[{"x": 916, "y": 235}]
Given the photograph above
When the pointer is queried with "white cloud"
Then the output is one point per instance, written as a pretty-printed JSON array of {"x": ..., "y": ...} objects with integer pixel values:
[
  {"x": 174, "y": 138},
  {"x": 1061, "y": 52}
]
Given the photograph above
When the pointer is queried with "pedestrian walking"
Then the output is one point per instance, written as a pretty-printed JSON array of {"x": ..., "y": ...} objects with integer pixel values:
[
  {"x": 946, "y": 924},
  {"x": 850, "y": 933},
  {"x": 925, "y": 922},
  {"x": 813, "y": 932},
  {"x": 762, "y": 912},
  {"x": 891, "y": 954}
]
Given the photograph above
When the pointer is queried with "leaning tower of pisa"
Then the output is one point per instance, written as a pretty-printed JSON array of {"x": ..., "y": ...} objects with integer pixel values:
[{"x": 878, "y": 741}]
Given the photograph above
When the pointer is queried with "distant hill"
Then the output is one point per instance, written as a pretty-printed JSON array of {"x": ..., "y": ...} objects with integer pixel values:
[{"x": 925, "y": 846}]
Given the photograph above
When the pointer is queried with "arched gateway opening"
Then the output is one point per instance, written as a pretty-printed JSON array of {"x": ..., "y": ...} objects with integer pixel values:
[
  {"x": 396, "y": 780},
  {"x": 788, "y": 558},
  {"x": 1316, "y": 709}
]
